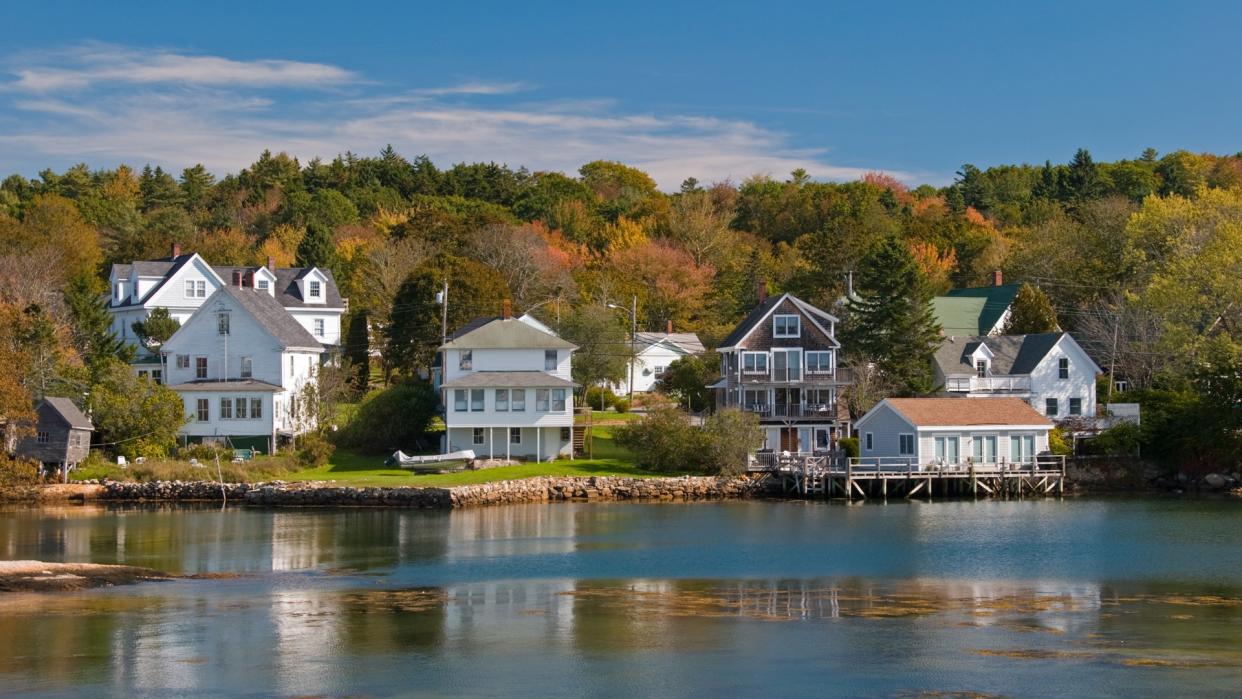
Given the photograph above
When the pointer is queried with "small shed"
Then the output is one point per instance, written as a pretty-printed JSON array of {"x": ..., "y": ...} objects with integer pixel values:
[
  {"x": 948, "y": 431},
  {"x": 62, "y": 437}
]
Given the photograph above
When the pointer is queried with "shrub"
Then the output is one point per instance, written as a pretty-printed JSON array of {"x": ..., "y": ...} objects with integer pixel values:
[
  {"x": 17, "y": 471},
  {"x": 1057, "y": 443},
  {"x": 204, "y": 452},
  {"x": 728, "y": 437},
  {"x": 398, "y": 417},
  {"x": 599, "y": 398},
  {"x": 664, "y": 440},
  {"x": 313, "y": 449},
  {"x": 850, "y": 446},
  {"x": 621, "y": 405}
]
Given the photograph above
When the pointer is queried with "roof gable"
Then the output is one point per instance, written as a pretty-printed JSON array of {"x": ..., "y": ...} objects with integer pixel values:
[
  {"x": 1011, "y": 354},
  {"x": 963, "y": 412},
  {"x": 763, "y": 311},
  {"x": 504, "y": 333},
  {"x": 266, "y": 312},
  {"x": 65, "y": 410},
  {"x": 996, "y": 300}
]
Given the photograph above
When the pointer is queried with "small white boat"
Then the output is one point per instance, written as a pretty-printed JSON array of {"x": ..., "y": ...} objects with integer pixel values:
[{"x": 432, "y": 462}]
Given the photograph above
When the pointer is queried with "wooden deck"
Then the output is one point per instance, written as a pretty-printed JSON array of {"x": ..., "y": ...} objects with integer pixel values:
[{"x": 806, "y": 475}]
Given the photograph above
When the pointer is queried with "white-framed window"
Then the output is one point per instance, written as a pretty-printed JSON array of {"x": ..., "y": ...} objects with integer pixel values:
[
  {"x": 222, "y": 323},
  {"x": 200, "y": 367},
  {"x": 461, "y": 398},
  {"x": 659, "y": 371},
  {"x": 868, "y": 441},
  {"x": 318, "y": 327},
  {"x": 1050, "y": 407},
  {"x": 984, "y": 448},
  {"x": 566, "y": 434},
  {"x": 189, "y": 288},
  {"x": 754, "y": 363},
  {"x": 247, "y": 367},
  {"x": 1021, "y": 448},
  {"x": 43, "y": 437},
  {"x": 755, "y": 399},
  {"x": 256, "y": 408},
  {"x": 981, "y": 368},
  {"x": 1075, "y": 406},
  {"x": 550, "y": 360},
  {"x": 226, "y": 408},
  {"x": 261, "y": 285},
  {"x": 240, "y": 405},
  {"x": 947, "y": 451},
  {"x": 558, "y": 400},
  {"x": 818, "y": 362},
  {"x": 157, "y": 375},
  {"x": 477, "y": 400},
  {"x": 905, "y": 444},
  {"x": 202, "y": 410},
  {"x": 786, "y": 326},
  {"x": 502, "y": 400},
  {"x": 195, "y": 289},
  {"x": 1121, "y": 385},
  {"x": 541, "y": 400},
  {"x": 465, "y": 360},
  {"x": 183, "y": 361},
  {"x": 1063, "y": 368},
  {"x": 517, "y": 400},
  {"x": 478, "y": 436},
  {"x": 315, "y": 289},
  {"x": 515, "y": 435}
]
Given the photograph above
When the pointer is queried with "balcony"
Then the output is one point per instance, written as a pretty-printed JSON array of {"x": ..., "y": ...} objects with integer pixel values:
[
  {"x": 792, "y": 411},
  {"x": 989, "y": 384},
  {"x": 791, "y": 375}
]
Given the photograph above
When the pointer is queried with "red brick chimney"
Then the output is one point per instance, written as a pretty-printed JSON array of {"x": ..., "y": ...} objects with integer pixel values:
[
  {"x": 507, "y": 311},
  {"x": 237, "y": 277},
  {"x": 271, "y": 263},
  {"x": 668, "y": 328},
  {"x": 998, "y": 279},
  {"x": 763, "y": 290},
  {"x": 176, "y": 249}
]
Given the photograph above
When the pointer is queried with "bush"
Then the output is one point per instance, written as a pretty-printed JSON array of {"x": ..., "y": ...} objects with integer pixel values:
[
  {"x": 313, "y": 450},
  {"x": 398, "y": 417},
  {"x": 621, "y": 405},
  {"x": 664, "y": 440},
  {"x": 592, "y": 398},
  {"x": 204, "y": 452},
  {"x": 728, "y": 438},
  {"x": 17, "y": 471},
  {"x": 850, "y": 446},
  {"x": 1057, "y": 443}
]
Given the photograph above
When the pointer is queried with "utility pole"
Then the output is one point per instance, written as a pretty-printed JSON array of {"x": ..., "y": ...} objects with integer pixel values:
[
  {"x": 633, "y": 341},
  {"x": 1112, "y": 360},
  {"x": 444, "y": 313}
]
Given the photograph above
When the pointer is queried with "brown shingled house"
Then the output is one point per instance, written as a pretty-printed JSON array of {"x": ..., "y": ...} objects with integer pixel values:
[{"x": 62, "y": 437}]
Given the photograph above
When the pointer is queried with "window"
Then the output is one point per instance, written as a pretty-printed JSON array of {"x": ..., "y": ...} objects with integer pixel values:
[
  {"x": 256, "y": 408},
  {"x": 222, "y": 323},
  {"x": 1063, "y": 368},
  {"x": 659, "y": 370},
  {"x": 262, "y": 285},
  {"x": 985, "y": 449},
  {"x": 319, "y": 327},
  {"x": 476, "y": 400},
  {"x": 1121, "y": 385},
  {"x": 226, "y": 408},
  {"x": 818, "y": 362},
  {"x": 981, "y": 368},
  {"x": 550, "y": 360},
  {"x": 869, "y": 439},
  {"x": 905, "y": 444},
  {"x": 565, "y": 434},
  {"x": 144, "y": 374},
  {"x": 786, "y": 326},
  {"x": 1050, "y": 407},
  {"x": 946, "y": 450},
  {"x": 183, "y": 361},
  {"x": 1021, "y": 448},
  {"x": 195, "y": 289},
  {"x": 43, "y": 437},
  {"x": 515, "y": 435},
  {"x": 247, "y": 367},
  {"x": 315, "y": 290},
  {"x": 517, "y": 400},
  {"x": 1075, "y": 407},
  {"x": 754, "y": 363},
  {"x": 460, "y": 396},
  {"x": 477, "y": 436},
  {"x": 755, "y": 400},
  {"x": 240, "y": 405},
  {"x": 502, "y": 400},
  {"x": 202, "y": 410},
  {"x": 541, "y": 400},
  {"x": 157, "y": 375},
  {"x": 200, "y": 367},
  {"x": 558, "y": 400},
  {"x": 465, "y": 360}
]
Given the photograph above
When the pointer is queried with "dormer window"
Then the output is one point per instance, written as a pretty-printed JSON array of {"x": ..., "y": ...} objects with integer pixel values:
[
  {"x": 315, "y": 290},
  {"x": 465, "y": 360},
  {"x": 195, "y": 289},
  {"x": 261, "y": 285},
  {"x": 786, "y": 326},
  {"x": 981, "y": 368},
  {"x": 222, "y": 323}
]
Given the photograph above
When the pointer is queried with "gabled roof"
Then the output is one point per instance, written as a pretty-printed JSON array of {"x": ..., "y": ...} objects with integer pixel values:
[
  {"x": 996, "y": 300},
  {"x": 69, "y": 412},
  {"x": 960, "y": 316},
  {"x": 763, "y": 310},
  {"x": 268, "y": 312},
  {"x": 165, "y": 268},
  {"x": 687, "y": 343},
  {"x": 964, "y": 412},
  {"x": 1011, "y": 354},
  {"x": 501, "y": 333},
  {"x": 286, "y": 285}
]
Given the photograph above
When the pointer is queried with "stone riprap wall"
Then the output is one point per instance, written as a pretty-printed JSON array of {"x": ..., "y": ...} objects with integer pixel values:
[{"x": 543, "y": 489}]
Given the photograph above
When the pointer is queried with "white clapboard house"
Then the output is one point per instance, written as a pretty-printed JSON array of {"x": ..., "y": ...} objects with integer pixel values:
[
  {"x": 952, "y": 431},
  {"x": 1050, "y": 371},
  {"x": 653, "y": 353},
  {"x": 183, "y": 282},
  {"x": 507, "y": 391},
  {"x": 239, "y": 363}
]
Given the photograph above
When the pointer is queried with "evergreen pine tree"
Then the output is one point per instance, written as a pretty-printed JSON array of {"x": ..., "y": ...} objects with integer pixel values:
[
  {"x": 156, "y": 328},
  {"x": 1082, "y": 178},
  {"x": 1031, "y": 312},
  {"x": 316, "y": 248},
  {"x": 890, "y": 320},
  {"x": 358, "y": 350},
  {"x": 92, "y": 327},
  {"x": 413, "y": 331}
]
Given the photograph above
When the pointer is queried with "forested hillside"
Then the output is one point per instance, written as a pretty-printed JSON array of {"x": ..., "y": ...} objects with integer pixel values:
[{"x": 1141, "y": 258}]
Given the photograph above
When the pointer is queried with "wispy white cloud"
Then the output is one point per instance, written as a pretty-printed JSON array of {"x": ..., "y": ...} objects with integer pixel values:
[{"x": 225, "y": 124}]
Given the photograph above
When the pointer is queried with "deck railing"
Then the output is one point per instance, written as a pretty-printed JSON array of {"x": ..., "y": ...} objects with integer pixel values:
[
  {"x": 988, "y": 384},
  {"x": 834, "y": 463},
  {"x": 798, "y": 410}
]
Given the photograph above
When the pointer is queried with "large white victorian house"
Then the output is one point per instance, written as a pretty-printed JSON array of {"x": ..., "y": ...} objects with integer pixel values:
[
  {"x": 507, "y": 391},
  {"x": 240, "y": 363},
  {"x": 182, "y": 283},
  {"x": 781, "y": 364}
]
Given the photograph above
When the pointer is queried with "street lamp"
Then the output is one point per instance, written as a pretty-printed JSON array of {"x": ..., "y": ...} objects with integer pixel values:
[{"x": 633, "y": 311}]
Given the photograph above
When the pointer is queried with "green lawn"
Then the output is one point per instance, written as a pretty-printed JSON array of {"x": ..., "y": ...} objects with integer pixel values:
[{"x": 349, "y": 468}]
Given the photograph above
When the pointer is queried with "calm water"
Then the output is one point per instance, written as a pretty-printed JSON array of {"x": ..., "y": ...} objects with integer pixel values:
[{"x": 1126, "y": 598}]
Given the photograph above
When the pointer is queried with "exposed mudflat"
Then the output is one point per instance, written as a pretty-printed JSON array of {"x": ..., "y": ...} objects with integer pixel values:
[{"x": 40, "y": 576}]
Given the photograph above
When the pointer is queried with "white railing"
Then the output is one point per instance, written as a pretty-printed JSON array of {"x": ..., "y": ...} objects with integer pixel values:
[
  {"x": 989, "y": 384},
  {"x": 807, "y": 410},
  {"x": 908, "y": 464}
]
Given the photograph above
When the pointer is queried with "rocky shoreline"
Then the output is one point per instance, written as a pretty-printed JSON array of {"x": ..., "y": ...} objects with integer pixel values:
[
  {"x": 528, "y": 490},
  {"x": 41, "y": 576}
]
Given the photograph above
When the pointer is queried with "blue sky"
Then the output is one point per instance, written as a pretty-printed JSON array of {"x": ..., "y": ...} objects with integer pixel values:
[{"x": 714, "y": 90}]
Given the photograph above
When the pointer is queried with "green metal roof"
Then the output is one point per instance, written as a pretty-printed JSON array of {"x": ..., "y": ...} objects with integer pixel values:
[
  {"x": 996, "y": 299},
  {"x": 958, "y": 317}
]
